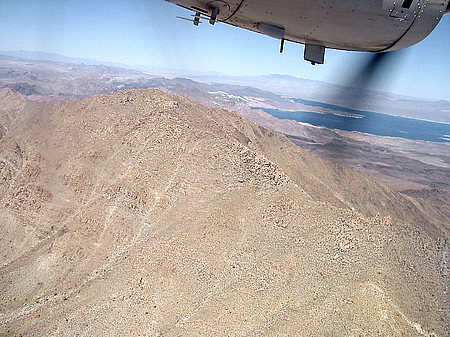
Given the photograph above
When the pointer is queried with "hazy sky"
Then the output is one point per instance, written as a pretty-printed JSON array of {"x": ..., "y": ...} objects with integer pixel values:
[{"x": 146, "y": 32}]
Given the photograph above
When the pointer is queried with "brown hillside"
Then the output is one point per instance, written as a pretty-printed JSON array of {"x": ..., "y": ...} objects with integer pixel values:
[{"x": 139, "y": 213}]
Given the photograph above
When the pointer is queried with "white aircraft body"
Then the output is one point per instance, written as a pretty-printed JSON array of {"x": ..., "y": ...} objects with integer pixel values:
[{"x": 359, "y": 25}]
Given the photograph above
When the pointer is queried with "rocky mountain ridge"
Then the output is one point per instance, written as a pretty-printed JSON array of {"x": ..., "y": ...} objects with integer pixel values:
[{"x": 145, "y": 213}]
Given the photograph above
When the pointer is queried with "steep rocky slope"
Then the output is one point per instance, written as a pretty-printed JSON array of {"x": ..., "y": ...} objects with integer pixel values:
[
  {"x": 139, "y": 213},
  {"x": 420, "y": 169}
]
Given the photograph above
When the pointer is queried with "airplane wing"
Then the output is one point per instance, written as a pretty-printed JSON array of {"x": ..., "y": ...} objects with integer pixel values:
[{"x": 358, "y": 25}]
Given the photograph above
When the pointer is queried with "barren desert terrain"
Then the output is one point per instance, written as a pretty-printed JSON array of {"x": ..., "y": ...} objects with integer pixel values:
[{"x": 145, "y": 214}]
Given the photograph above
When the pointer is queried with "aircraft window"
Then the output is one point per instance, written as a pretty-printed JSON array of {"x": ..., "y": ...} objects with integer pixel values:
[{"x": 407, "y": 3}]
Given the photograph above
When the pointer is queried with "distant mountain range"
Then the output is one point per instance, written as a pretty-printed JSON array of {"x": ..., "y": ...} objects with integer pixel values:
[
  {"x": 381, "y": 102},
  {"x": 42, "y": 56},
  {"x": 160, "y": 71},
  {"x": 280, "y": 85}
]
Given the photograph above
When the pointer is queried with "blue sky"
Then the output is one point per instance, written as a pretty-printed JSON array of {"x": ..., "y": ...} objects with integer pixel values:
[{"x": 146, "y": 32}]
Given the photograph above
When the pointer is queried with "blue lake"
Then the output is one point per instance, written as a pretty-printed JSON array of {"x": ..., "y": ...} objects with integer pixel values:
[{"x": 368, "y": 122}]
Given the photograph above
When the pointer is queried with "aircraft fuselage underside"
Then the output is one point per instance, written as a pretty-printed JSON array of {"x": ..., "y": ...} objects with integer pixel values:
[{"x": 363, "y": 25}]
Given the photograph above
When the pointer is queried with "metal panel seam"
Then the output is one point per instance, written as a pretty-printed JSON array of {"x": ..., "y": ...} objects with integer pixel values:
[{"x": 406, "y": 31}]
